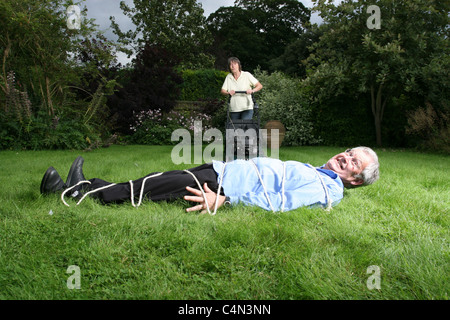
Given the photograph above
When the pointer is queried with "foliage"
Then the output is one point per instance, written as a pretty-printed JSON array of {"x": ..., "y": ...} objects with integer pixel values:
[
  {"x": 293, "y": 60},
  {"x": 152, "y": 83},
  {"x": 52, "y": 95},
  {"x": 202, "y": 84},
  {"x": 177, "y": 26},
  {"x": 16, "y": 101},
  {"x": 256, "y": 31},
  {"x": 153, "y": 127},
  {"x": 281, "y": 99},
  {"x": 352, "y": 60},
  {"x": 430, "y": 127},
  {"x": 43, "y": 132},
  {"x": 62, "y": 88},
  {"x": 36, "y": 44},
  {"x": 343, "y": 121},
  {"x": 25, "y": 128}
]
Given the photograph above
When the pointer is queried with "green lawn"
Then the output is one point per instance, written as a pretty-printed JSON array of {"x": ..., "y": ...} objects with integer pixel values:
[{"x": 158, "y": 251}]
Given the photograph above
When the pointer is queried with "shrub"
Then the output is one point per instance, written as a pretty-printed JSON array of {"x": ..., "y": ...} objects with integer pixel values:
[
  {"x": 152, "y": 81},
  {"x": 153, "y": 127},
  {"x": 343, "y": 121},
  {"x": 27, "y": 126},
  {"x": 281, "y": 99},
  {"x": 202, "y": 84},
  {"x": 44, "y": 132},
  {"x": 430, "y": 128}
]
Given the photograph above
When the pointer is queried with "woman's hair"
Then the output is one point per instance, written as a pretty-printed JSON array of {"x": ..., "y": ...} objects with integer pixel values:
[{"x": 234, "y": 59}]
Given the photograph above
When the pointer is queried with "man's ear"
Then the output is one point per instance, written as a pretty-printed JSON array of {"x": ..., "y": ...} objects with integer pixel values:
[{"x": 356, "y": 182}]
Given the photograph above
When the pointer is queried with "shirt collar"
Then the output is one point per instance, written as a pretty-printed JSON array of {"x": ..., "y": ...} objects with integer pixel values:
[{"x": 330, "y": 173}]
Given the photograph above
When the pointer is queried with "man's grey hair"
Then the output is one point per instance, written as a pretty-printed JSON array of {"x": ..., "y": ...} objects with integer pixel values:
[{"x": 371, "y": 172}]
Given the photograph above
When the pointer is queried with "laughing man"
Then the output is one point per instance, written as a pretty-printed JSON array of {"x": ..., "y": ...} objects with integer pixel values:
[{"x": 268, "y": 183}]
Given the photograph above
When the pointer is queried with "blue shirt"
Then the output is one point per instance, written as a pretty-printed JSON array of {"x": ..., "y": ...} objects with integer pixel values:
[{"x": 286, "y": 185}]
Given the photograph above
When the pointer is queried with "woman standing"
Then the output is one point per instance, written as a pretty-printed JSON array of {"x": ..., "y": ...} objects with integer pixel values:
[{"x": 241, "y": 105}]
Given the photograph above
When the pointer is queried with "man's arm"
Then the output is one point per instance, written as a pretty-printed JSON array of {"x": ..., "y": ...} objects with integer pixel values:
[{"x": 198, "y": 197}]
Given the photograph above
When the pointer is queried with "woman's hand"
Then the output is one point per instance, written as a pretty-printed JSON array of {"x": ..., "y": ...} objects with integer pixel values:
[{"x": 226, "y": 93}]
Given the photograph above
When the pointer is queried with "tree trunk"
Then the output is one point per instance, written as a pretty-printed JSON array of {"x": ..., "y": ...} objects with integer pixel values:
[
  {"x": 51, "y": 112},
  {"x": 378, "y": 106},
  {"x": 4, "y": 76}
]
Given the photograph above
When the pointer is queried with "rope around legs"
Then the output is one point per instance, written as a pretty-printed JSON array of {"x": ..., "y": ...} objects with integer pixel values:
[{"x": 141, "y": 195}]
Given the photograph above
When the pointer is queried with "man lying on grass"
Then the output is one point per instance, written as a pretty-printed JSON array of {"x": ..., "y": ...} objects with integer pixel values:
[{"x": 265, "y": 182}]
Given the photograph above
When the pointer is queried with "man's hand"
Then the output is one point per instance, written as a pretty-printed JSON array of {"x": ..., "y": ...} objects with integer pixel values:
[{"x": 198, "y": 197}]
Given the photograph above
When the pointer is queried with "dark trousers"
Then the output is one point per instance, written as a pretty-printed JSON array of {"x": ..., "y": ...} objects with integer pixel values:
[{"x": 171, "y": 185}]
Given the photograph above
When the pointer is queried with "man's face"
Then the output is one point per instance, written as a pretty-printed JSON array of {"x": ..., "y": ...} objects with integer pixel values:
[{"x": 348, "y": 164}]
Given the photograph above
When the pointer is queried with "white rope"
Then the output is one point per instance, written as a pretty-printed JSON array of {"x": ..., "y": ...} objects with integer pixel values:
[
  {"x": 141, "y": 195},
  {"x": 68, "y": 189},
  {"x": 283, "y": 197},
  {"x": 264, "y": 187},
  {"x": 142, "y": 190},
  {"x": 92, "y": 191},
  {"x": 203, "y": 192},
  {"x": 220, "y": 186},
  {"x": 328, "y": 199},
  {"x": 201, "y": 189},
  {"x": 108, "y": 186},
  {"x": 86, "y": 194}
]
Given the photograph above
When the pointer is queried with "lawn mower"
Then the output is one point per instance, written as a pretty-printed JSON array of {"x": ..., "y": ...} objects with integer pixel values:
[{"x": 242, "y": 136}]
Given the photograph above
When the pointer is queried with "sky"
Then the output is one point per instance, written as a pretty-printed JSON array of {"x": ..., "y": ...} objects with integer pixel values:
[{"x": 101, "y": 10}]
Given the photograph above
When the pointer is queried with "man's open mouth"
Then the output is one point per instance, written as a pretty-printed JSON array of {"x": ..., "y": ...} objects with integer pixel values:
[{"x": 340, "y": 164}]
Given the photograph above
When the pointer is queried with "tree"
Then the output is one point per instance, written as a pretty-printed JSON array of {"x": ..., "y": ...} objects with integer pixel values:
[
  {"x": 353, "y": 59},
  {"x": 235, "y": 35},
  {"x": 41, "y": 76},
  {"x": 39, "y": 48},
  {"x": 151, "y": 84},
  {"x": 97, "y": 68},
  {"x": 177, "y": 26},
  {"x": 258, "y": 31},
  {"x": 292, "y": 61},
  {"x": 36, "y": 45}
]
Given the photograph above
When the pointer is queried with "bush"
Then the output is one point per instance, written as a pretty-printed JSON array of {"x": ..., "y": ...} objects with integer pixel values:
[
  {"x": 281, "y": 99},
  {"x": 153, "y": 127},
  {"x": 43, "y": 132},
  {"x": 429, "y": 127},
  {"x": 75, "y": 125},
  {"x": 343, "y": 121},
  {"x": 202, "y": 84},
  {"x": 152, "y": 83}
]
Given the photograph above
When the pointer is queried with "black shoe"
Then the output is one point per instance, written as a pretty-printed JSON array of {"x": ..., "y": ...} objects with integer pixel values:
[
  {"x": 51, "y": 182},
  {"x": 75, "y": 173}
]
